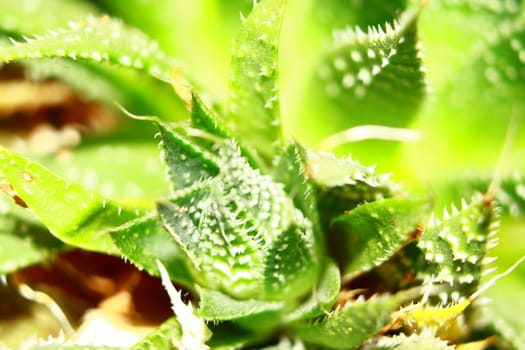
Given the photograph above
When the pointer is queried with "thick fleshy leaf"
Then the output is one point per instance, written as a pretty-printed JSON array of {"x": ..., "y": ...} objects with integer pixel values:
[
  {"x": 291, "y": 170},
  {"x": 205, "y": 119},
  {"x": 103, "y": 83},
  {"x": 424, "y": 341},
  {"x": 240, "y": 231},
  {"x": 323, "y": 296},
  {"x": 376, "y": 75},
  {"x": 342, "y": 184},
  {"x": 509, "y": 192},
  {"x": 74, "y": 215},
  {"x": 352, "y": 325},
  {"x": 186, "y": 163},
  {"x": 229, "y": 336},
  {"x": 96, "y": 40},
  {"x": 24, "y": 244},
  {"x": 127, "y": 171},
  {"x": 455, "y": 248},
  {"x": 371, "y": 233},
  {"x": 286, "y": 344},
  {"x": 162, "y": 337},
  {"x": 144, "y": 241},
  {"x": 217, "y": 306},
  {"x": 224, "y": 255},
  {"x": 254, "y": 108},
  {"x": 371, "y": 76},
  {"x": 87, "y": 75}
]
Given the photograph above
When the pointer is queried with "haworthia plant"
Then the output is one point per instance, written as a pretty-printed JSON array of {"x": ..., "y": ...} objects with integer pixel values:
[{"x": 260, "y": 241}]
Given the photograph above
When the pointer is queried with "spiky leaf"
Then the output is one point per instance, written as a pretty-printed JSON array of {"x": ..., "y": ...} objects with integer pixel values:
[
  {"x": 291, "y": 170},
  {"x": 509, "y": 192},
  {"x": 240, "y": 230},
  {"x": 323, "y": 295},
  {"x": 350, "y": 326},
  {"x": 424, "y": 341},
  {"x": 367, "y": 77},
  {"x": 96, "y": 40},
  {"x": 217, "y": 306},
  {"x": 186, "y": 163},
  {"x": 371, "y": 233},
  {"x": 162, "y": 337},
  {"x": 205, "y": 119},
  {"x": 254, "y": 107},
  {"x": 342, "y": 184},
  {"x": 454, "y": 248},
  {"x": 376, "y": 74},
  {"x": 144, "y": 241},
  {"x": 73, "y": 214}
]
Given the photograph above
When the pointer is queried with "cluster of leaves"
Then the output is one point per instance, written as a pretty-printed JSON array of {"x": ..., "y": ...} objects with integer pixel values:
[{"x": 275, "y": 246}]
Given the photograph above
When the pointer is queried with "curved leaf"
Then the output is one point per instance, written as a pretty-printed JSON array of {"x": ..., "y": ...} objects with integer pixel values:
[
  {"x": 254, "y": 109},
  {"x": 76, "y": 216},
  {"x": 424, "y": 341},
  {"x": 323, "y": 296},
  {"x": 217, "y": 306},
  {"x": 454, "y": 248},
  {"x": 342, "y": 184},
  {"x": 144, "y": 241},
  {"x": 96, "y": 40},
  {"x": 24, "y": 244},
  {"x": 186, "y": 163},
  {"x": 371, "y": 233},
  {"x": 162, "y": 337},
  {"x": 350, "y": 326}
]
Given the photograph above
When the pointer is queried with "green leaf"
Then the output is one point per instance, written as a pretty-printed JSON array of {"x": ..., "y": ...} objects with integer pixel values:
[
  {"x": 162, "y": 337},
  {"x": 144, "y": 241},
  {"x": 186, "y": 162},
  {"x": 223, "y": 256},
  {"x": 229, "y": 336},
  {"x": 96, "y": 40},
  {"x": 286, "y": 344},
  {"x": 371, "y": 233},
  {"x": 106, "y": 84},
  {"x": 454, "y": 248},
  {"x": 14, "y": 16},
  {"x": 242, "y": 233},
  {"x": 342, "y": 184},
  {"x": 254, "y": 107},
  {"x": 218, "y": 306},
  {"x": 509, "y": 192},
  {"x": 366, "y": 77},
  {"x": 350, "y": 326},
  {"x": 424, "y": 341},
  {"x": 24, "y": 244},
  {"x": 78, "y": 217},
  {"x": 323, "y": 296},
  {"x": 291, "y": 170},
  {"x": 128, "y": 170},
  {"x": 203, "y": 118},
  {"x": 378, "y": 75}
]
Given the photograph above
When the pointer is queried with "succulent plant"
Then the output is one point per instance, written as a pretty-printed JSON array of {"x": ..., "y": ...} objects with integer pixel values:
[{"x": 260, "y": 240}]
